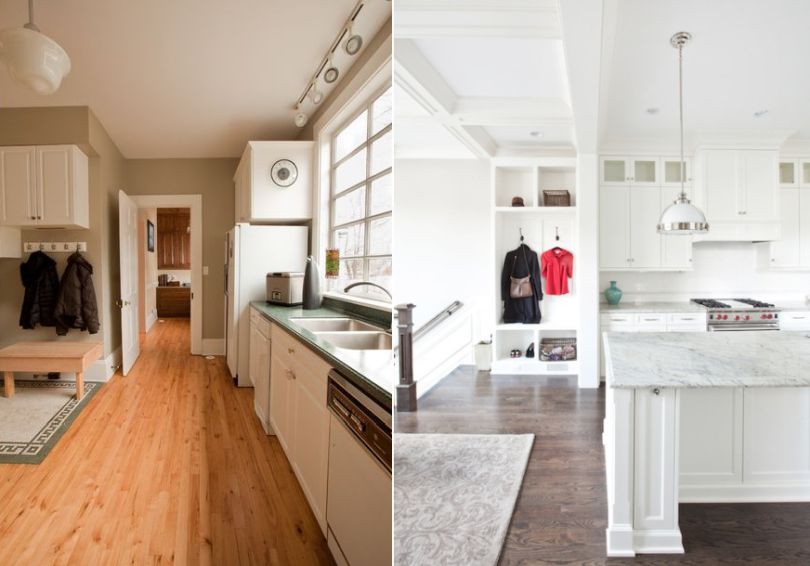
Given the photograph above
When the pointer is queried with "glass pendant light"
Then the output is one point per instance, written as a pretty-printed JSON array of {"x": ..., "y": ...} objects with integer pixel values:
[
  {"x": 33, "y": 58},
  {"x": 682, "y": 218}
]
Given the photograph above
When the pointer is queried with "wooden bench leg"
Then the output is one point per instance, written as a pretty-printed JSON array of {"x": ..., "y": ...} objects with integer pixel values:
[
  {"x": 9, "y": 384},
  {"x": 79, "y": 386}
]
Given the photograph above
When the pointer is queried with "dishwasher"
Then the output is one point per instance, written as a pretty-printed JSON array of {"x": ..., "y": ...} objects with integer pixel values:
[{"x": 358, "y": 507}]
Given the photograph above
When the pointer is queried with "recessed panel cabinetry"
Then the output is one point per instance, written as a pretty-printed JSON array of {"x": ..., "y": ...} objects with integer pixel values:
[
  {"x": 174, "y": 238},
  {"x": 44, "y": 187},
  {"x": 274, "y": 182},
  {"x": 791, "y": 252}
]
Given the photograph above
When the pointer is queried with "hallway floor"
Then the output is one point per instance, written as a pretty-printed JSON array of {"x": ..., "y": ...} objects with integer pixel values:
[
  {"x": 166, "y": 465},
  {"x": 561, "y": 513}
]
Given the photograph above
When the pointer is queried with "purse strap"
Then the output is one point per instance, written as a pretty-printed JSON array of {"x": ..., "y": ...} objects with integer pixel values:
[{"x": 514, "y": 262}]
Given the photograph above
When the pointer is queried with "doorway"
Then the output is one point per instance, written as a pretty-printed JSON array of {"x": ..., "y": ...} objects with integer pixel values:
[{"x": 184, "y": 273}]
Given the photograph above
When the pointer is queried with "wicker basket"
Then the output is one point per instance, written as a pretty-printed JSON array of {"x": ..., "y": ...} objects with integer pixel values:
[
  {"x": 558, "y": 349},
  {"x": 556, "y": 197}
]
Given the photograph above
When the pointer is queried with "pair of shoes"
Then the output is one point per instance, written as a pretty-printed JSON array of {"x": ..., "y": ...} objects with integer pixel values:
[
  {"x": 515, "y": 353},
  {"x": 530, "y": 351}
]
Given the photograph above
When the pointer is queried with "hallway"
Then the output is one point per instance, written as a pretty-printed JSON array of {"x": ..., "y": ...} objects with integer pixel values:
[{"x": 166, "y": 465}]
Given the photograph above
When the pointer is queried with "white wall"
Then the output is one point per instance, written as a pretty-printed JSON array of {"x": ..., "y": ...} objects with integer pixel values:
[
  {"x": 442, "y": 237},
  {"x": 721, "y": 269},
  {"x": 147, "y": 271}
]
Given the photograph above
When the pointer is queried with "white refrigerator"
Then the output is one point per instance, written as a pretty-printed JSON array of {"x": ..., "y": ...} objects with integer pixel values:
[{"x": 250, "y": 253}]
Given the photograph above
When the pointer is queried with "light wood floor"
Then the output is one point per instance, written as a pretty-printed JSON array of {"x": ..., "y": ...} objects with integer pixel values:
[{"x": 166, "y": 465}]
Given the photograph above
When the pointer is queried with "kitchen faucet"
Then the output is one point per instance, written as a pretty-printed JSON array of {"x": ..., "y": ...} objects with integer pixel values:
[{"x": 359, "y": 283}]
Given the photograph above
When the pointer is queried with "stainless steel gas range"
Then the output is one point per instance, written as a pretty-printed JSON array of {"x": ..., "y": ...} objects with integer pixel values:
[{"x": 740, "y": 314}]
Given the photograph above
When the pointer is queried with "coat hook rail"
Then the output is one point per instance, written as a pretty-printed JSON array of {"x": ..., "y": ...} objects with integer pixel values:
[{"x": 54, "y": 247}]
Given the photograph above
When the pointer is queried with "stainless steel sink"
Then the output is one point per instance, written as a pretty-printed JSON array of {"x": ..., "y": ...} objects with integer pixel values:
[
  {"x": 333, "y": 324},
  {"x": 357, "y": 340}
]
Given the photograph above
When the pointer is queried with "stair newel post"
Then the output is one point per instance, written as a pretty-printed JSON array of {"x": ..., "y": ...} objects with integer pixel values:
[{"x": 406, "y": 389}]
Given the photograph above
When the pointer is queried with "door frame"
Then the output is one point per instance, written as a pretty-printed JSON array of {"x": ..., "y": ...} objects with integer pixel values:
[{"x": 194, "y": 202}]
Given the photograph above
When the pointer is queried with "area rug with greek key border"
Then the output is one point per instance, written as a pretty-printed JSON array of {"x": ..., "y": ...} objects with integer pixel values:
[
  {"x": 36, "y": 417},
  {"x": 454, "y": 495}
]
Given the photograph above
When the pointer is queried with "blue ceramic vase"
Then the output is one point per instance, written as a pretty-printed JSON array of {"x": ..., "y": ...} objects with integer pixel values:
[{"x": 613, "y": 294}]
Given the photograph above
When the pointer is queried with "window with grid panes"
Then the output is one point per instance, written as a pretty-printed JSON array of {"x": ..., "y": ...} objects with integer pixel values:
[{"x": 361, "y": 197}]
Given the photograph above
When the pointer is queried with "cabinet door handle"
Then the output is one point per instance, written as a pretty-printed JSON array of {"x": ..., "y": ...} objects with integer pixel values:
[
  {"x": 290, "y": 374},
  {"x": 290, "y": 350},
  {"x": 799, "y": 317}
]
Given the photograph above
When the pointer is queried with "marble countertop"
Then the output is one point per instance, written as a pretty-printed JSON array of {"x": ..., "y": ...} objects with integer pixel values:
[
  {"x": 793, "y": 305},
  {"x": 707, "y": 359},
  {"x": 372, "y": 371},
  {"x": 652, "y": 307}
]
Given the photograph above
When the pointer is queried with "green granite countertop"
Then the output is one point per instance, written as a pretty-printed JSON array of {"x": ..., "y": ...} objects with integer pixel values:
[{"x": 372, "y": 371}]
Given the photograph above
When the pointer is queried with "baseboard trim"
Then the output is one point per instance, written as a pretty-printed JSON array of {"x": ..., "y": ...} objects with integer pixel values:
[
  {"x": 213, "y": 347},
  {"x": 151, "y": 319}
]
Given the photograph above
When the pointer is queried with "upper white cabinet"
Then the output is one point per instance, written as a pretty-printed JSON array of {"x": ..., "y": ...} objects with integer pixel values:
[
  {"x": 738, "y": 190},
  {"x": 628, "y": 234},
  {"x": 274, "y": 182},
  {"x": 642, "y": 171},
  {"x": 44, "y": 187}
]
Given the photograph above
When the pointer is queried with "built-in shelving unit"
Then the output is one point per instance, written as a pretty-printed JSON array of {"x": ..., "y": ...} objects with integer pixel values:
[{"x": 543, "y": 227}]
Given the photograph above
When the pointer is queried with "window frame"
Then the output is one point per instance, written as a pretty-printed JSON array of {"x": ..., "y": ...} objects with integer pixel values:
[{"x": 367, "y": 219}]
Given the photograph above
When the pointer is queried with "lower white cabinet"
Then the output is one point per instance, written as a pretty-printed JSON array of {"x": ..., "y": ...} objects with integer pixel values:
[
  {"x": 794, "y": 320},
  {"x": 745, "y": 444},
  {"x": 259, "y": 367},
  {"x": 299, "y": 416}
]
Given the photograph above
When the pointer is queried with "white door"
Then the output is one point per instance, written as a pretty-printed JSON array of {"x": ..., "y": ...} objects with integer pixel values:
[
  {"x": 17, "y": 183},
  {"x": 676, "y": 251},
  {"x": 645, "y": 242},
  {"x": 761, "y": 179},
  {"x": 614, "y": 227},
  {"x": 128, "y": 303},
  {"x": 54, "y": 185},
  {"x": 721, "y": 176}
]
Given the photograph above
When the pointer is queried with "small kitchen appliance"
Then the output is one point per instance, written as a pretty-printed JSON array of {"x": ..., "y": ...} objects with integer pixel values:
[
  {"x": 740, "y": 314},
  {"x": 285, "y": 288}
]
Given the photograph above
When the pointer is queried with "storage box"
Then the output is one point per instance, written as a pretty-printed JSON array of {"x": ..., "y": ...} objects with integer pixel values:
[
  {"x": 558, "y": 349},
  {"x": 556, "y": 197}
]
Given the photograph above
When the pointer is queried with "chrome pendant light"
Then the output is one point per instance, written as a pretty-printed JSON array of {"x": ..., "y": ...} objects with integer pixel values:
[
  {"x": 33, "y": 58},
  {"x": 682, "y": 218}
]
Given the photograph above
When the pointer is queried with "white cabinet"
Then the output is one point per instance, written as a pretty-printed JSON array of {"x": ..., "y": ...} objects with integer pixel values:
[
  {"x": 794, "y": 320},
  {"x": 299, "y": 415},
  {"x": 672, "y": 170},
  {"x": 261, "y": 199},
  {"x": 44, "y": 186},
  {"x": 628, "y": 233},
  {"x": 10, "y": 242},
  {"x": 792, "y": 249},
  {"x": 738, "y": 191},
  {"x": 640, "y": 171},
  {"x": 259, "y": 367}
]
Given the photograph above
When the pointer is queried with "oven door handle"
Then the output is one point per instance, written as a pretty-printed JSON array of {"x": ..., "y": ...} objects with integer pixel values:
[{"x": 741, "y": 328}]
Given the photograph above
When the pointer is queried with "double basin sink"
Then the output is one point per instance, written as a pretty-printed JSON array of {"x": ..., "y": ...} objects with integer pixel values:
[{"x": 347, "y": 333}]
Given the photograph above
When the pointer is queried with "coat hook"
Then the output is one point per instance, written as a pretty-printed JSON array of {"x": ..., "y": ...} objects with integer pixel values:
[
  {"x": 557, "y": 233},
  {"x": 521, "y": 234}
]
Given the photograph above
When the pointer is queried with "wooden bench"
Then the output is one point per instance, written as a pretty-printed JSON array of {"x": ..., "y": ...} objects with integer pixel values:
[{"x": 43, "y": 357}]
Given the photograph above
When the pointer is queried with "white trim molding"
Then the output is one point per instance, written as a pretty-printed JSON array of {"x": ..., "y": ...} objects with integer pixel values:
[{"x": 194, "y": 202}]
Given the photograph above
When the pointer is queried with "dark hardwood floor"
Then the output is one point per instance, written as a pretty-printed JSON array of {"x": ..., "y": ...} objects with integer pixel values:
[{"x": 561, "y": 514}]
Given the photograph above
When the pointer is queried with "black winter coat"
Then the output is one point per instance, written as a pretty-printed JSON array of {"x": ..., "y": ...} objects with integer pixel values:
[
  {"x": 41, "y": 284},
  {"x": 77, "y": 307},
  {"x": 519, "y": 263}
]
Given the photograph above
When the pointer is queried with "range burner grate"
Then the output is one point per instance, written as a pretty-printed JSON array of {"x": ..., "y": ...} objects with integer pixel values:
[
  {"x": 711, "y": 304},
  {"x": 755, "y": 303}
]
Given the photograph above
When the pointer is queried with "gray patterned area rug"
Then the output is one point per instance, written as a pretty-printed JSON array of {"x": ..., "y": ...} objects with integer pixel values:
[
  {"x": 454, "y": 495},
  {"x": 33, "y": 421}
]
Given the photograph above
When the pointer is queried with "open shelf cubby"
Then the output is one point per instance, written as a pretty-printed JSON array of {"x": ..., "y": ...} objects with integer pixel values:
[{"x": 529, "y": 182}]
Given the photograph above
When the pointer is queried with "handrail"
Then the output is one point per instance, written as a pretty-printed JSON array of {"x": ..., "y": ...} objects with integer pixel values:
[{"x": 447, "y": 312}]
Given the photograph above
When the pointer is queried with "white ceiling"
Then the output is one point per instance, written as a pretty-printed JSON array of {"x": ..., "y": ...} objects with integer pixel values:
[
  {"x": 489, "y": 71},
  {"x": 745, "y": 56},
  {"x": 188, "y": 78}
]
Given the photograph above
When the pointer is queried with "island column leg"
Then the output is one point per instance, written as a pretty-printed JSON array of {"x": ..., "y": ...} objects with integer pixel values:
[
  {"x": 655, "y": 514},
  {"x": 619, "y": 447}
]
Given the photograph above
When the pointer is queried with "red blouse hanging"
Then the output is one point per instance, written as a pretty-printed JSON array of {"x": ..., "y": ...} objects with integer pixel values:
[{"x": 557, "y": 268}]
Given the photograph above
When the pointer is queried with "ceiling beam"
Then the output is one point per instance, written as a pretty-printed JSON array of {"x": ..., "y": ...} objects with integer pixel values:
[
  {"x": 477, "y": 18},
  {"x": 513, "y": 111},
  {"x": 582, "y": 44},
  {"x": 417, "y": 77}
]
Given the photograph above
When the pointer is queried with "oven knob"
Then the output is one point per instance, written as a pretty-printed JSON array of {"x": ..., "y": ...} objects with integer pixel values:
[
  {"x": 711, "y": 317},
  {"x": 737, "y": 317},
  {"x": 763, "y": 317},
  {"x": 770, "y": 316},
  {"x": 747, "y": 317}
]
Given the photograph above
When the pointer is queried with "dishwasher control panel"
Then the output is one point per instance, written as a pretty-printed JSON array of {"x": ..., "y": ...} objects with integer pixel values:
[{"x": 367, "y": 428}]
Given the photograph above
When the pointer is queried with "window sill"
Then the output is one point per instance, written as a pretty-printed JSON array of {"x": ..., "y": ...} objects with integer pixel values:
[{"x": 358, "y": 300}]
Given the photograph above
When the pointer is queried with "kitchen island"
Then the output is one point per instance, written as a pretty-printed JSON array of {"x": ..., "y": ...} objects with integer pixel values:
[{"x": 701, "y": 417}]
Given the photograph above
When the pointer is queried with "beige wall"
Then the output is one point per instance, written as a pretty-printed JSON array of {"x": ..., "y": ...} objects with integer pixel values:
[
  {"x": 68, "y": 125},
  {"x": 213, "y": 179}
]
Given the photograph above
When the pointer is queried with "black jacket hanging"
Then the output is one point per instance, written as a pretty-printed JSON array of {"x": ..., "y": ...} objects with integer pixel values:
[
  {"x": 521, "y": 262},
  {"x": 41, "y": 284},
  {"x": 77, "y": 307}
]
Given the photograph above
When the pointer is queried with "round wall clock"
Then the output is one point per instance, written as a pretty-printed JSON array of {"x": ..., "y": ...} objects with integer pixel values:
[{"x": 284, "y": 172}]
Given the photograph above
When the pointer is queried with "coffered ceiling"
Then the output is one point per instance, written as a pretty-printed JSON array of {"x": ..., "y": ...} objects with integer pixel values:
[{"x": 188, "y": 78}]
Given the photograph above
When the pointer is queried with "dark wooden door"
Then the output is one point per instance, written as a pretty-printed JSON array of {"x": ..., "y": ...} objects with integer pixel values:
[{"x": 174, "y": 238}]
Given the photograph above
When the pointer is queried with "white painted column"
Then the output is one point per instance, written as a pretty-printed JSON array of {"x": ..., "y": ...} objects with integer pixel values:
[
  {"x": 641, "y": 456},
  {"x": 587, "y": 269}
]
